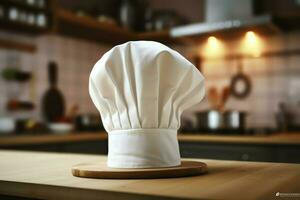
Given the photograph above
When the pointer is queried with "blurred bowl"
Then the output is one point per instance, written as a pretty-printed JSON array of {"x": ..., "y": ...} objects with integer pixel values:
[
  {"x": 60, "y": 127},
  {"x": 88, "y": 122},
  {"x": 7, "y": 125}
]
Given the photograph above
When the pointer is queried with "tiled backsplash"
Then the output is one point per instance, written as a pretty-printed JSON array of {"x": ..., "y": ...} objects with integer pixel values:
[
  {"x": 75, "y": 59},
  {"x": 274, "y": 79}
]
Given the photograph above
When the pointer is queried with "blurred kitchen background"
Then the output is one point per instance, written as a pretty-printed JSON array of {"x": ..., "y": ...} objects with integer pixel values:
[{"x": 248, "y": 51}]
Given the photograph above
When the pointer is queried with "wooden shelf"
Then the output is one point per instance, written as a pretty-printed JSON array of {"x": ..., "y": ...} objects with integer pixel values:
[
  {"x": 17, "y": 26},
  {"x": 70, "y": 24},
  {"x": 23, "y": 5},
  {"x": 16, "y": 45},
  {"x": 65, "y": 22},
  {"x": 21, "y": 27}
]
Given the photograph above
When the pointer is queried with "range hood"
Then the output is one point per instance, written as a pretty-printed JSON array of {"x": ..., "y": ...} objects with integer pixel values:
[{"x": 227, "y": 16}]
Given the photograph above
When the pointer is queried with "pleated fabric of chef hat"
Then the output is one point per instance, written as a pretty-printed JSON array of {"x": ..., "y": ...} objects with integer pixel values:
[{"x": 141, "y": 89}]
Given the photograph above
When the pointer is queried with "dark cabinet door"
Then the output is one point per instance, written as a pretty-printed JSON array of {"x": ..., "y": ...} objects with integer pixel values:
[
  {"x": 251, "y": 152},
  {"x": 90, "y": 147},
  {"x": 288, "y": 153}
]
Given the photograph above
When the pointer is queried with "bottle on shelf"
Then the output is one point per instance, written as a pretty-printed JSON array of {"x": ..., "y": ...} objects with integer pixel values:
[
  {"x": 31, "y": 19},
  {"x": 1, "y": 12},
  {"x": 13, "y": 14},
  {"x": 22, "y": 16},
  {"x": 31, "y": 2},
  {"x": 41, "y": 20},
  {"x": 41, "y": 3}
]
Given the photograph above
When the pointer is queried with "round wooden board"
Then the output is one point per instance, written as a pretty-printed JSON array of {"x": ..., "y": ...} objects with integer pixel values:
[{"x": 101, "y": 171}]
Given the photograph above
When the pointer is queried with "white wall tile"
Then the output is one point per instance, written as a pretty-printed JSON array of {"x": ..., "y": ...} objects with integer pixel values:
[{"x": 274, "y": 79}]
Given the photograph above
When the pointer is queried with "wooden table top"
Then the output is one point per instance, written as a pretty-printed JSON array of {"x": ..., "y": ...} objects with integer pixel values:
[
  {"x": 48, "y": 176},
  {"x": 280, "y": 138}
]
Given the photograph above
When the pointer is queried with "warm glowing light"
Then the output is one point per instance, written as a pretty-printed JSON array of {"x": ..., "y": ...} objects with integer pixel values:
[
  {"x": 252, "y": 44},
  {"x": 212, "y": 41},
  {"x": 250, "y": 35},
  {"x": 213, "y": 47}
]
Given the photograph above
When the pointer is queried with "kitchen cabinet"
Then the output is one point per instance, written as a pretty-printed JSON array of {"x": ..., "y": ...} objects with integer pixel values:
[
  {"x": 83, "y": 142},
  {"x": 286, "y": 12},
  {"x": 241, "y": 152},
  {"x": 282, "y": 147},
  {"x": 289, "y": 154},
  {"x": 227, "y": 152},
  {"x": 89, "y": 147}
]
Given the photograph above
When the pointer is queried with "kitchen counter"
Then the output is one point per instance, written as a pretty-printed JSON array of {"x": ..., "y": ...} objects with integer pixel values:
[
  {"x": 276, "y": 138},
  {"x": 48, "y": 176},
  {"x": 14, "y": 140},
  {"x": 280, "y": 138},
  {"x": 280, "y": 148}
]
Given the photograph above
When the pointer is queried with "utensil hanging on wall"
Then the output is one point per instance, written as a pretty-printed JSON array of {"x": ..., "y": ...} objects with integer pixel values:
[
  {"x": 218, "y": 99},
  {"x": 240, "y": 85},
  {"x": 53, "y": 103}
]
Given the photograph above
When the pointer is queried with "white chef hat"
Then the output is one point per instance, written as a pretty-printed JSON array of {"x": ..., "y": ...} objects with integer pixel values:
[{"x": 140, "y": 89}]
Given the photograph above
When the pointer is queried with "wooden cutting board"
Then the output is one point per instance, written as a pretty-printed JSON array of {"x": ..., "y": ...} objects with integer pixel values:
[{"x": 101, "y": 171}]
